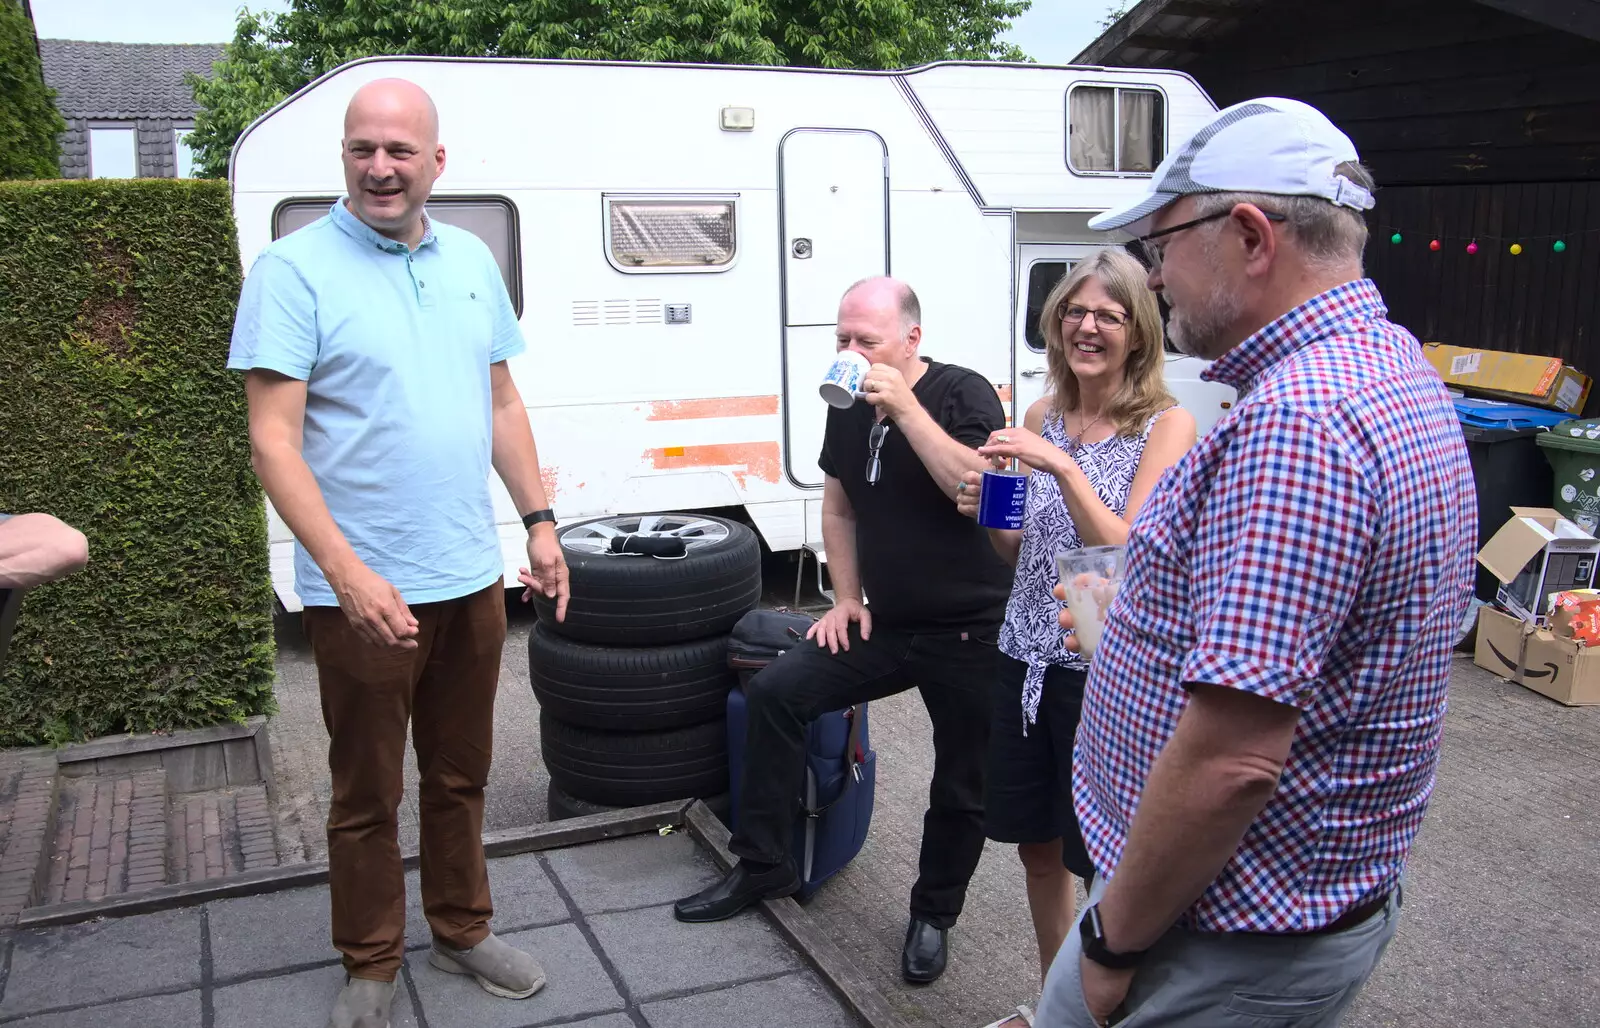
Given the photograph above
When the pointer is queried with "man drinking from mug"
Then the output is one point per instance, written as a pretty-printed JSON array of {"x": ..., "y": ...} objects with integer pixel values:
[{"x": 937, "y": 595}]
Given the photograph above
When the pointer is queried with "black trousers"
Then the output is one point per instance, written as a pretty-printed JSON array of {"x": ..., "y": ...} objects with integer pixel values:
[{"x": 954, "y": 671}]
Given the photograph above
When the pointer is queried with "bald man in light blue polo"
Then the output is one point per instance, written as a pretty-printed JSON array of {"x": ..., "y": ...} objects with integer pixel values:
[{"x": 374, "y": 343}]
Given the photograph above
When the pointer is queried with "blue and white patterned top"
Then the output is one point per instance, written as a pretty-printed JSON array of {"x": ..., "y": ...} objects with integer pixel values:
[{"x": 1032, "y": 633}]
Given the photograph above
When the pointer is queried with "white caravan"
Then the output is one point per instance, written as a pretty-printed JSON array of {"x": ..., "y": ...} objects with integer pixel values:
[{"x": 676, "y": 238}]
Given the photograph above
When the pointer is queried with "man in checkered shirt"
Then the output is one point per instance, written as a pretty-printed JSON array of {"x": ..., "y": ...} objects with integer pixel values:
[{"x": 1261, "y": 723}]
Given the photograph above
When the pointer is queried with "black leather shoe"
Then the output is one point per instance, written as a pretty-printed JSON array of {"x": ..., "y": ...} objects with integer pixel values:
[
  {"x": 926, "y": 952},
  {"x": 736, "y": 891}
]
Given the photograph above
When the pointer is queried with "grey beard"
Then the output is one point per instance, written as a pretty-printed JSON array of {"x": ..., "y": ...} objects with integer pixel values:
[{"x": 1198, "y": 329}]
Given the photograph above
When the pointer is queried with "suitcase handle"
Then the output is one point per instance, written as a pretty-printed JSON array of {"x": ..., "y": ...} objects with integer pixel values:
[{"x": 855, "y": 753}]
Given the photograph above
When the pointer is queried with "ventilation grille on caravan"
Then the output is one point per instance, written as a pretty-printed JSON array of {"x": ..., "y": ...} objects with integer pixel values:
[{"x": 587, "y": 313}]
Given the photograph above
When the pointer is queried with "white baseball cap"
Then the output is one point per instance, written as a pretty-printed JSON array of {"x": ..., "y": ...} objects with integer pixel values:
[{"x": 1266, "y": 145}]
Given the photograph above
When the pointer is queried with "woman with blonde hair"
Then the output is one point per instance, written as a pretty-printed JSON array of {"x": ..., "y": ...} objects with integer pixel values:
[{"x": 1094, "y": 448}]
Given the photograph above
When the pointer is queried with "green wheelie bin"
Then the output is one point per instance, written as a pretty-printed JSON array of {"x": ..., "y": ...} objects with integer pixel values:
[{"x": 1573, "y": 450}]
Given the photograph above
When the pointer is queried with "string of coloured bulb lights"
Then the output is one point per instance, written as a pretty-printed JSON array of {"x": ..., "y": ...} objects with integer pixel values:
[{"x": 1515, "y": 245}]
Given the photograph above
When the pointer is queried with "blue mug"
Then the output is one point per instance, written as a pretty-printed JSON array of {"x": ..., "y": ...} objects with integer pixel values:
[{"x": 1002, "y": 499}]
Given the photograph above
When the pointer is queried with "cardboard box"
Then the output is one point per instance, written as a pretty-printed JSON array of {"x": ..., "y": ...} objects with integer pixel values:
[
  {"x": 1518, "y": 652},
  {"x": 1568, "y": 394},
  {"x": 1535, "y": 555},
  {"x": 1520, "y": 373}
]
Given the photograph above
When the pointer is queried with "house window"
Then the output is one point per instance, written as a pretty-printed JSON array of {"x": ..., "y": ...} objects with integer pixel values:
[
  {"x": 182, "y": 153},
  {"x": 490, "y": 218},
  {"x": 677, "y": 234},
  {"x": 113, "y": 153},
  {"x": 1115, "y": 131},
  {"x": 1042, "y": 277}
]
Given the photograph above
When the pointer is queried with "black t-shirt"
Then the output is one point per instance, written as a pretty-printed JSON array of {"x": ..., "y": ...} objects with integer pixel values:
[{"x": 923, "y": 565}]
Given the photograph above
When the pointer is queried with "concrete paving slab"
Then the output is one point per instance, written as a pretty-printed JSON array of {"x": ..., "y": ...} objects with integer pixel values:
[
  {"x": 638, "y": 871},
  {"x": 300, "y": 932},
  {"x": 578, "y": 985},
  {"x": 607, "y": 1021},
  {"x": 179, "y": 1011},
  {"x": 300, "y": 1000},
  {"x": 805, "y": 1001},
  {"x": 658, "y": 955},
  {"x": 113, "y": 959},
  {"x": 523, "y": 898}
]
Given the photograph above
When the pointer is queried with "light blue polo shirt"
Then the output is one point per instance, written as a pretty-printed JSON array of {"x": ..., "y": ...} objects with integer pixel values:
[{"x": 394, "y": 347}]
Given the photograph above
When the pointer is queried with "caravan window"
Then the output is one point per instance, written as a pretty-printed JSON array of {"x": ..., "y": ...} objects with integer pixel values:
[
  {"x": 492, "y": 219},
  {"x": 677, "y": 234},
  {"x": 1115, "y": 131}
]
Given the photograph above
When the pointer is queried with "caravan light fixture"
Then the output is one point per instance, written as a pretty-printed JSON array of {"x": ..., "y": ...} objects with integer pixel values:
[{"x": 738, "y": 119}]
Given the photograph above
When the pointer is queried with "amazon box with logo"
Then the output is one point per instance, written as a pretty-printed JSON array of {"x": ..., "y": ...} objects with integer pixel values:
[
  {"x": 1535, "y": 555},
  {"x": 1561, "y": 668}
]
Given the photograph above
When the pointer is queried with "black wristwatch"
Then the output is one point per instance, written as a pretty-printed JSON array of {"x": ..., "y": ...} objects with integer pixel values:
[
  {"x": 1093, "y": 935},
  {"x": 529, "y": 520}
]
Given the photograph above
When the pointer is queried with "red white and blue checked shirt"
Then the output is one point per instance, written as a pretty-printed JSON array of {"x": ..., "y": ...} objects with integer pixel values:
[{"x": 1315, "y": 548}]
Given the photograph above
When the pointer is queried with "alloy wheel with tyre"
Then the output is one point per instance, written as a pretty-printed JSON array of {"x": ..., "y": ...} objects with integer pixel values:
[
  {"x": 629, "y": 688},
  {"x": 630, "y": 599},
  {"x": 633, "y": 768}
]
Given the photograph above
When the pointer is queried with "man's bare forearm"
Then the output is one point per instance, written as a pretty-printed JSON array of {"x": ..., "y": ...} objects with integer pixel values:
[
  {"x": 839, "y": 538},
  {"x": 515, "y": 456},
  {"x": 1196, "y": 806},
  {"x": 945, "y": 459},
  {"x": 39, "y": 548},
  {"x": 295, "y": 495}
]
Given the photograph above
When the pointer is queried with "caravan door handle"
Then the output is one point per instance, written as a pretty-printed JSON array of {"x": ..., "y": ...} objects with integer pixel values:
[{"x": 1033, "y": 373}]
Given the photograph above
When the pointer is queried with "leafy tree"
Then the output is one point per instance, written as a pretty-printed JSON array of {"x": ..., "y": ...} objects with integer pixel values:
[
  {"x": 273, "y": 55},
  {"x": 29, "y": 121},
  {"x": 1114, "y": 12}
]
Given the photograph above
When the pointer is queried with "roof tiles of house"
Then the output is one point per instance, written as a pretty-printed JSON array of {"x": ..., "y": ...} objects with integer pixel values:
[{"x": 124, "y": 80}]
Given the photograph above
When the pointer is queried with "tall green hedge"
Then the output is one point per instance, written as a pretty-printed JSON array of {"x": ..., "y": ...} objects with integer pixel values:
[{"x": 117, "y": 416}]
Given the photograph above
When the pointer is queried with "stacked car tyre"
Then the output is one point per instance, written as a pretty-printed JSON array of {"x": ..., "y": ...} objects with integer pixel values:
[{"x": 633, "y": 683}]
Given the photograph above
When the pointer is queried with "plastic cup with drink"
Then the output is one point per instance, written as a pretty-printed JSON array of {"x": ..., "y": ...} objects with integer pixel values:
[{"x": 1091, "y": 577}]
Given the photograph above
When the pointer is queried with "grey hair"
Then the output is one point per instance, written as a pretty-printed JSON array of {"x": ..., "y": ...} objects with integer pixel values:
[
  {"x": 1329, "y": 234},
  {"x": 910, "y": 306}
]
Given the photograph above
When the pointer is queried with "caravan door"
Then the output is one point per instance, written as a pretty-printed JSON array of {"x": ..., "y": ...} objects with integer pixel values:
[{"x": 834, "y": 226}]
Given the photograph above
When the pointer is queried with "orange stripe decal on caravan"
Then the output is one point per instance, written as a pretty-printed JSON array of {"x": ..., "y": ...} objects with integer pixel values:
[
  {"x": 716, "y": 407},
  {"x": 761, "y": 461}
]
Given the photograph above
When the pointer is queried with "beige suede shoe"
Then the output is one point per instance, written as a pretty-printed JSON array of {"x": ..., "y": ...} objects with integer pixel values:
[
  {"x": 501, "y": 969},
  {"x": 362, "y": 1003}
]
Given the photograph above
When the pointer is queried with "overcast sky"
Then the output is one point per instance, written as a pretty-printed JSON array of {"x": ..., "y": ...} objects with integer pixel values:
[{"x": 1053, "y": 32}]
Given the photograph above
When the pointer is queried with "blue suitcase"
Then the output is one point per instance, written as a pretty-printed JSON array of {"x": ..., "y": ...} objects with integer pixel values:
[{"x": 836, "y": 804}]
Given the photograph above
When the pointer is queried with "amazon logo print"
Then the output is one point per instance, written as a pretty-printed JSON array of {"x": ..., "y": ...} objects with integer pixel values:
[{"x": 1511, "y": 665}]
